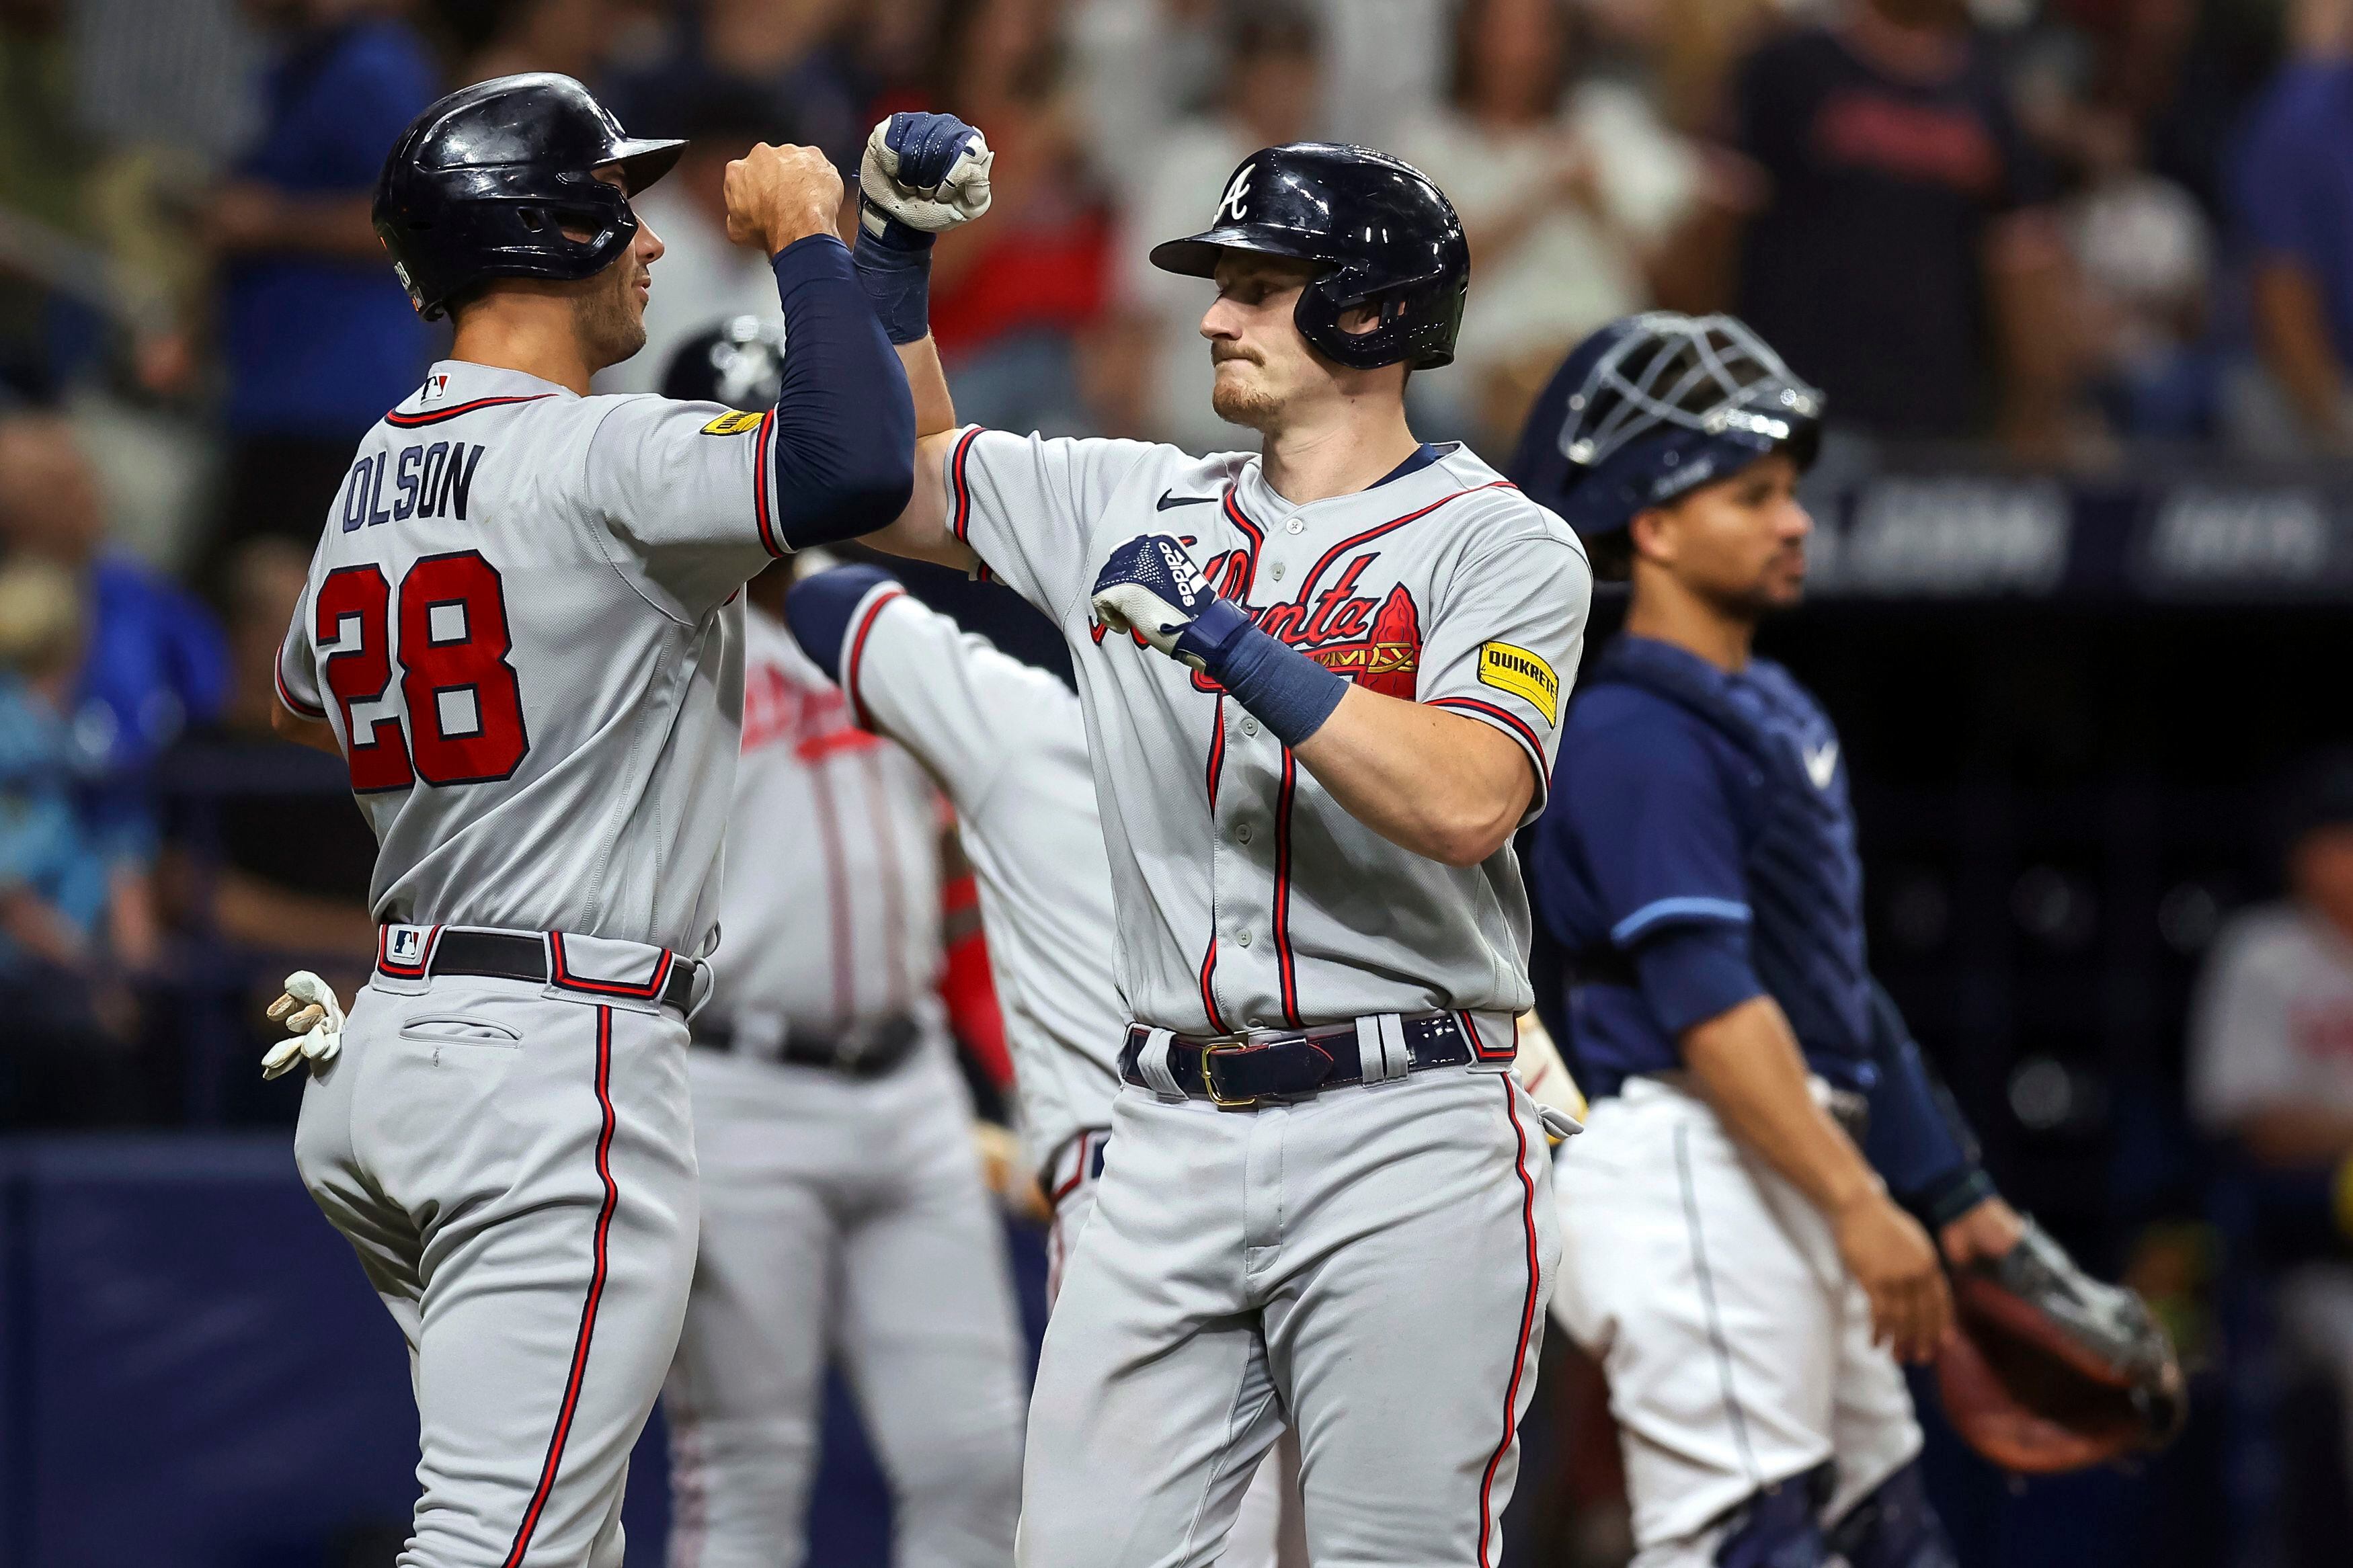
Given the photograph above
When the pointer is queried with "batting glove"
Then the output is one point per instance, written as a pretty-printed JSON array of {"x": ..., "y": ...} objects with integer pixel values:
[
  {"x": 315, "y": 1019},
  {"x": 1560, "y": 1104},
  {"x": 928, "y": 172},
  {"x": 1151, "y": 587}
]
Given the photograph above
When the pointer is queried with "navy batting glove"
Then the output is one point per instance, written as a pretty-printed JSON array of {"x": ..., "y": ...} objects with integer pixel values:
[
  {"x": 922, "y": 172},
  {"x": 1151, "y": 587},
  {"x": 928, "y": 145}
]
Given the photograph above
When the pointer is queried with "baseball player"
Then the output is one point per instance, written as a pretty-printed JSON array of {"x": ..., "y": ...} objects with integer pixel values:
[
  {"x": 1729, "y": 1251},
  {"x": 843, "y": 1212},
  {"x": 1007, "y": 744},
  {"x": 523, "y": 629},
  {"x": 1320, "y": 688}
]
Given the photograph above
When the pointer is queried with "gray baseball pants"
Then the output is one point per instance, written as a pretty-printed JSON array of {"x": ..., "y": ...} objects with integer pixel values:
[
  {"x": 843, "y": 1219},
  {"x": 516, "y": 1169},
  {"x": 1368, "y": 1268}
]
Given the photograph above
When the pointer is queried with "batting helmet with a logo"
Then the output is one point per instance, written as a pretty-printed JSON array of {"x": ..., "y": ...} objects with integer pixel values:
[
  {"x": 1385, "y": 236},
  {"x": 487, "y": 181}
]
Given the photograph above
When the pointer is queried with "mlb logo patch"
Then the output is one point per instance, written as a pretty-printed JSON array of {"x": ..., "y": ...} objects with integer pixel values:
[
  {"x": 435, "y": 386},
  {"x": 405, "y": 944}
]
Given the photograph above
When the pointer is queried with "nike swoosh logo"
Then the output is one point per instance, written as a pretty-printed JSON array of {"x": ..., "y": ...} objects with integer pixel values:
[
  {"x": 1170, "y": 497},
  {"x": 1822, "y": 763}
]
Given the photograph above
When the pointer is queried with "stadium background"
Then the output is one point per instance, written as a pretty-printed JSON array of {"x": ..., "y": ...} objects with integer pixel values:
[{"x": 2071, "y": 271}]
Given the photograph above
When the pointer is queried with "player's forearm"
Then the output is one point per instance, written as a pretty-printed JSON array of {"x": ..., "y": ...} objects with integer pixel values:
[
  {"x": 845, "y": 420},
  {"x": 921, "y": 531},
  {"x": 1444, "y": 786},
  {"x": 927, "y": 381},
  {"x": 1918, "y": 1139},
  {"x": 895, "y": 269},
  {"x": 1748, "y": 1066}
]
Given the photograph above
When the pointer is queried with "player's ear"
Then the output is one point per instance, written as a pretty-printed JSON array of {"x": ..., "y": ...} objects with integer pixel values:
[{"x": 1651, "y": 535}]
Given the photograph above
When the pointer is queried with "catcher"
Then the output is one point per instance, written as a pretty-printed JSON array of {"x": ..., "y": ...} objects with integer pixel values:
[{"x": 1746, "y": 1224}]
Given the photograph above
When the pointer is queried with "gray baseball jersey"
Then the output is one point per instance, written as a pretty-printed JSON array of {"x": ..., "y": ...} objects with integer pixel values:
[
  {"x": 1008, "y": 746},
  {"x": 521, "y": 623},
  {"x": 1247, "y": 898},
  {"x": 831, "y": 909}
]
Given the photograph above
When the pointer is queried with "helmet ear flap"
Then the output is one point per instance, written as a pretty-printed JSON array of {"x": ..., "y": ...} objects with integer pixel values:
[{"x": 1397, "y": 336}]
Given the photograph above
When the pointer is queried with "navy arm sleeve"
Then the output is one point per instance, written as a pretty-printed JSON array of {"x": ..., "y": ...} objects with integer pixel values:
[
  {"x": 817, "y": 609},
  {"x": 1918, "y": 1141},
  {"x": 845, "y": 422}
]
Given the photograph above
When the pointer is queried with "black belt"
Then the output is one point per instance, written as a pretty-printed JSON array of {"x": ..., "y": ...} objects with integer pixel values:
[
  {"x": 867, "y": 1051},
  {"x": 1241, "y": 1074},
  {"x": 508, "y": 955}
]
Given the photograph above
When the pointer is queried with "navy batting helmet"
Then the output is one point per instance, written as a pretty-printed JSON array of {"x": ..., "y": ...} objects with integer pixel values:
[
  {"x": 739, "y": 362},
  {"x": 1652, "y": 407},
  {"x": 1385, "y": 235},
  {"x": 485, "y": 182}
]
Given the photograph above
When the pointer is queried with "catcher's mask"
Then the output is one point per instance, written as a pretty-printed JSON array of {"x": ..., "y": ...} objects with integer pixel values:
[{"x": 1652, "y": 406}]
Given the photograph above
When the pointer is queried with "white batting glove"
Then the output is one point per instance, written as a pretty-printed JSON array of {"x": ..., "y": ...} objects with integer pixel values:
[
  {"x": 1547, "y": 1078},
  {"x": 315, "y": 1019},
  {"x": 928, "y": 171}
]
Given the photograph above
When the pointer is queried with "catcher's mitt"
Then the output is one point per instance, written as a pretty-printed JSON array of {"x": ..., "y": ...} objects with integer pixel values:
[{"x": 2046, "y": 1369}]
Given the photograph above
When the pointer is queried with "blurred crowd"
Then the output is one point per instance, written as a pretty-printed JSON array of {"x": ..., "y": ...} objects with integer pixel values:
[
  {"x": 2054, "y": 232},
  {"x": 2061, "y": 227}
]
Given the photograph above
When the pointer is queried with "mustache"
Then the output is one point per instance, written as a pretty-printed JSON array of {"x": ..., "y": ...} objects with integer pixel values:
[{"x": 1221, "y": 353}]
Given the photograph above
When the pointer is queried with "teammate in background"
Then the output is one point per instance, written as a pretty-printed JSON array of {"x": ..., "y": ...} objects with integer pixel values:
[
  {"x": 843, "y": 1212},
  {"x": 523, "y": 629},
  {"x": 1006, "y": 742},
  {"x": 1728, "y": 1250},
  {"x": 1318, "y": 1208}
]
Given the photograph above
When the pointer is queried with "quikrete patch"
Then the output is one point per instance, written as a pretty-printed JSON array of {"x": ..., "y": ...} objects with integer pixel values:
[
  {"x": 1522, "y": 674},
  {"x": 732, "y": 424}
]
